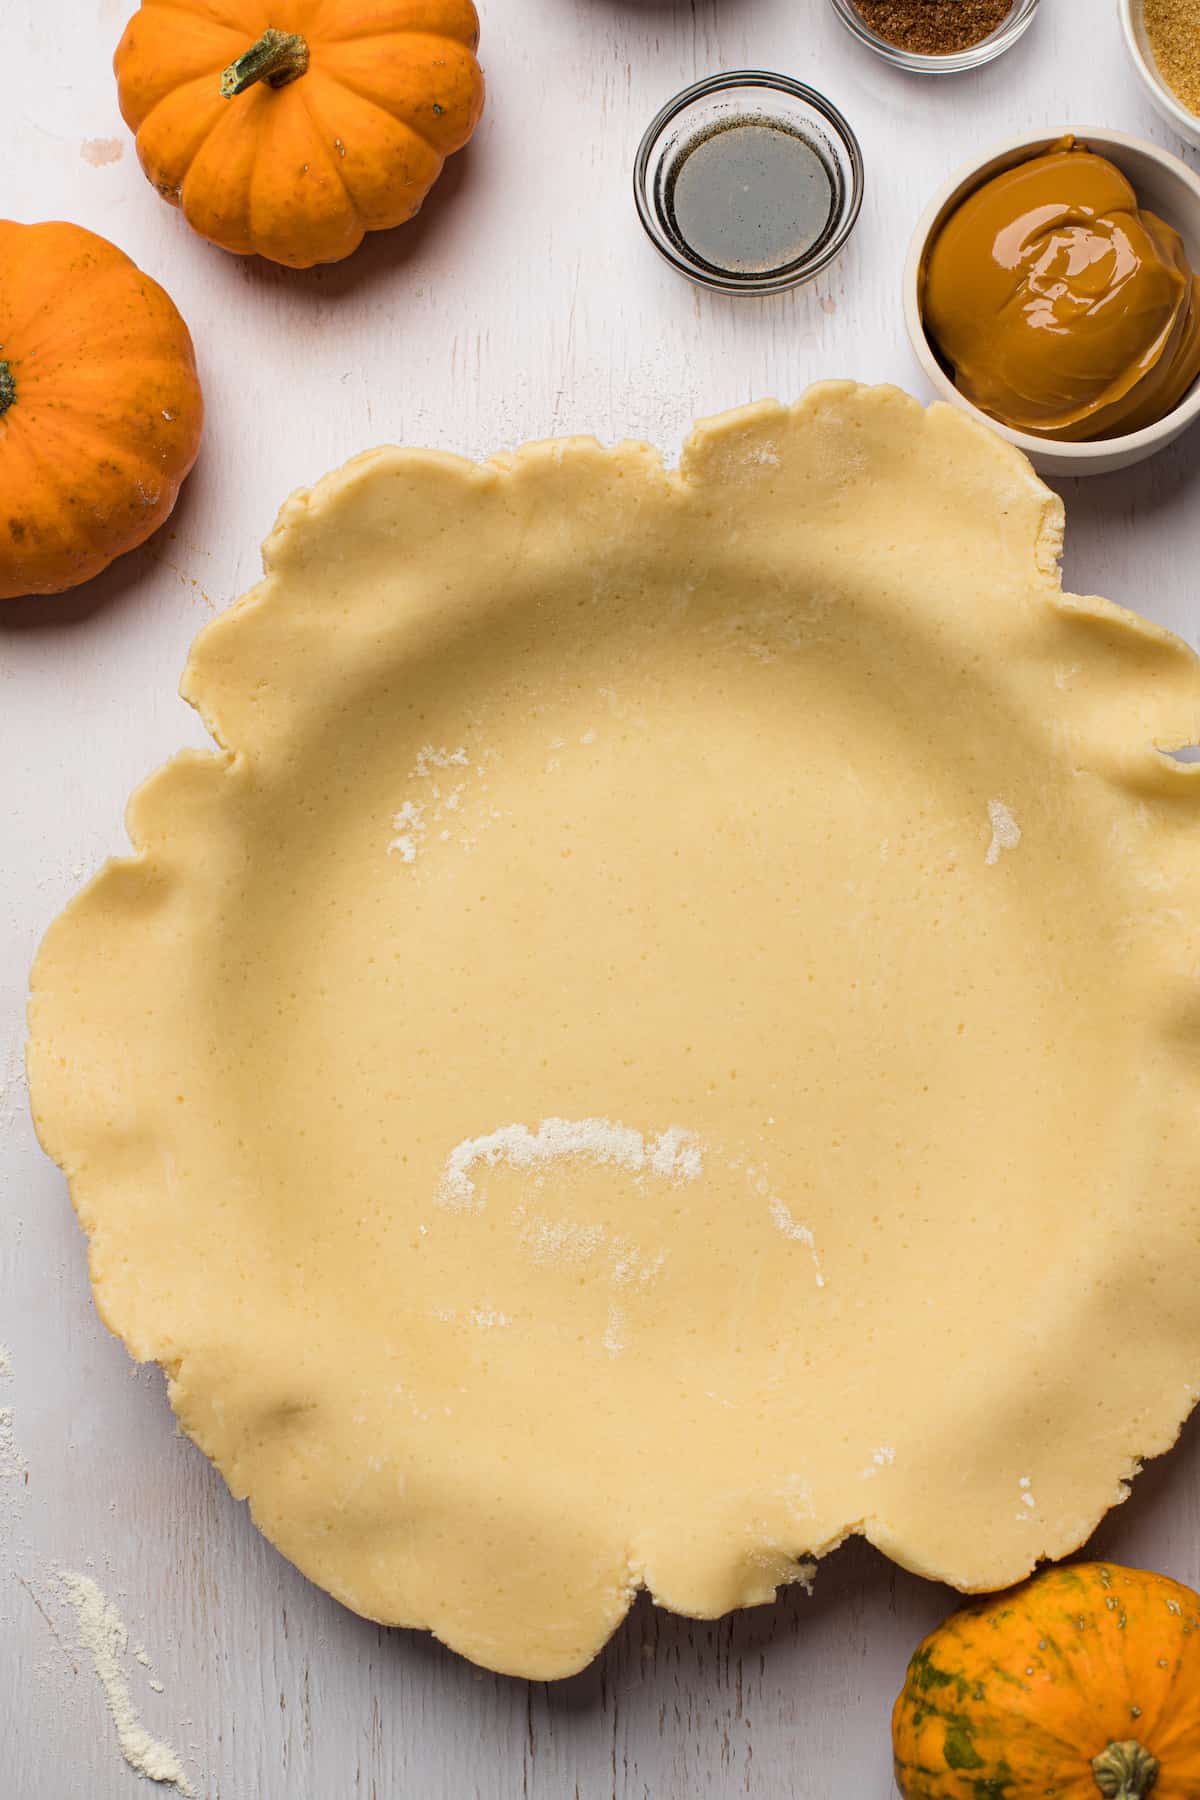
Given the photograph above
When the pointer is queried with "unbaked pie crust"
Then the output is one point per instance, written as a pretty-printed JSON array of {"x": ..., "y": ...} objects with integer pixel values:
[{"x": 666, "y": 1035}]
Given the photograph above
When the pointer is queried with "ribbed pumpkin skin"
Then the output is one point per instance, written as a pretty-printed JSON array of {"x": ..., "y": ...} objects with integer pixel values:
[
  {"x": 1011, "y": 1700},
  {"x": 300, "y": 173},
  {"x": 106, "y": 414}
]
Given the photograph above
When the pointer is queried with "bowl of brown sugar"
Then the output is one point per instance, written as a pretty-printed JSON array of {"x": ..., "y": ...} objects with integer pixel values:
[
  {"x": 937, "y": 37},
  {"x": 1163, "y": 38}
]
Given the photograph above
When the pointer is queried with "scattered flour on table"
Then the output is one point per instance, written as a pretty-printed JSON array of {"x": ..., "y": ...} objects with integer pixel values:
[
  {"x": 674, "y": 1155},
  {"x": 12, "y": 1463},
  {"x": 13, "y": 1466},
  {"x": 103, "y": 1635},
  {"x": 13, "y": 1086},
  {"x": 1006, "y": 833},
  {"x": 14, "y": 1477}
]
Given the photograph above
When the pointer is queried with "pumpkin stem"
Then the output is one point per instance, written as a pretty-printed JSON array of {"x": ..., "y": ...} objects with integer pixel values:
[
  {"x": 8, "y": 387},
  {"x": 1125, "y": 1771},
  {"x": 277, "y": 58}
]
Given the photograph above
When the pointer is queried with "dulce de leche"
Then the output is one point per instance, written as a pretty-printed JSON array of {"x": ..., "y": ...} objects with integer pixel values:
[{"x": 1062, "y": 306}]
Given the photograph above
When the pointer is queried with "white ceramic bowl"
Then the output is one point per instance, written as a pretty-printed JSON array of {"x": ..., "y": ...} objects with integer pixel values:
[
  {"x": 1164, "y": 184},
  {"x": 1133, "y": 23}
]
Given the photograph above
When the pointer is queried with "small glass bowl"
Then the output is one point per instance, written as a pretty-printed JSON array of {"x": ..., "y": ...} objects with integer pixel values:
[
  {"x": 752, "y": 94},
  {"x": 1019, "y": 20}
]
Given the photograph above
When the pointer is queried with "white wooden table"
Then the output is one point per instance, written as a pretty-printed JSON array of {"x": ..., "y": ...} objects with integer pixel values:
[{"x": 524, "y": 303}]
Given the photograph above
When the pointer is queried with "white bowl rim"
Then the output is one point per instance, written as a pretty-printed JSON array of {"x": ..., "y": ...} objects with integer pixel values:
[
  {"x": 1188, "y": 122},
  {"x": 1170, "y": 426}
]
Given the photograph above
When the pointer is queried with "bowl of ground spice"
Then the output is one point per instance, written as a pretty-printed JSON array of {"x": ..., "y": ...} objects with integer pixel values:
[
  {"x": 1164, "y": 43},
  {"x": 937, "y": 37}
]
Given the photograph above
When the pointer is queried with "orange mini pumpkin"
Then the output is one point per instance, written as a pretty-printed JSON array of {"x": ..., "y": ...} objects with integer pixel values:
[
  {"x": 291, "y": 129},
  {"x": 1084, "y": 1682},
  {"x": 100, "y": 406}
]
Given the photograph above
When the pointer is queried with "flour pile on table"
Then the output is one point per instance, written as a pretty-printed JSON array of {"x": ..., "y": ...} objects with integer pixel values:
[{"x": 102, "y": 1633}]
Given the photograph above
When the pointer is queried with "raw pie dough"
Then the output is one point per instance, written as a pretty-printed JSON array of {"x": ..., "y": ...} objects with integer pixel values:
[{"x": 666, "y": 1036}]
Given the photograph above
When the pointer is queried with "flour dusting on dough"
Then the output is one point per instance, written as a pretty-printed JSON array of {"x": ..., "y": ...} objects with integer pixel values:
[
  {"x": 614, "y": 1330},
  {"x": 1006, "y": 833},
  {"x": 429, "y": 757},
  {"x": 631, "y": 1267},
  {"x": 103, "y": 1634},
  {"x": 561, "y": 1240},
  {"x": 674, "y": 1155},
  {"x": 409, "y": 826},
  {"x": 791, "y": 1228},
  {"x": 443, "y": 802}
]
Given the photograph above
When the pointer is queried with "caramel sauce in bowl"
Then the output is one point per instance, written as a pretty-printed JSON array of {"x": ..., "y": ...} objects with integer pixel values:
[{"x": 1163, "y": 186}]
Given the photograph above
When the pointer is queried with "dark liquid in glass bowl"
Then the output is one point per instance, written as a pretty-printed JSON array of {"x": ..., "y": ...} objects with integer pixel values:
[{"x": 749, "y": 196}]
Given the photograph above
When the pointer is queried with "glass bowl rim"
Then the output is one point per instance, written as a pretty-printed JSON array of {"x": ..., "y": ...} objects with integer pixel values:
[
  {"x": 1020, "y": 17},
  {"x": 797, "y": 272}
]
